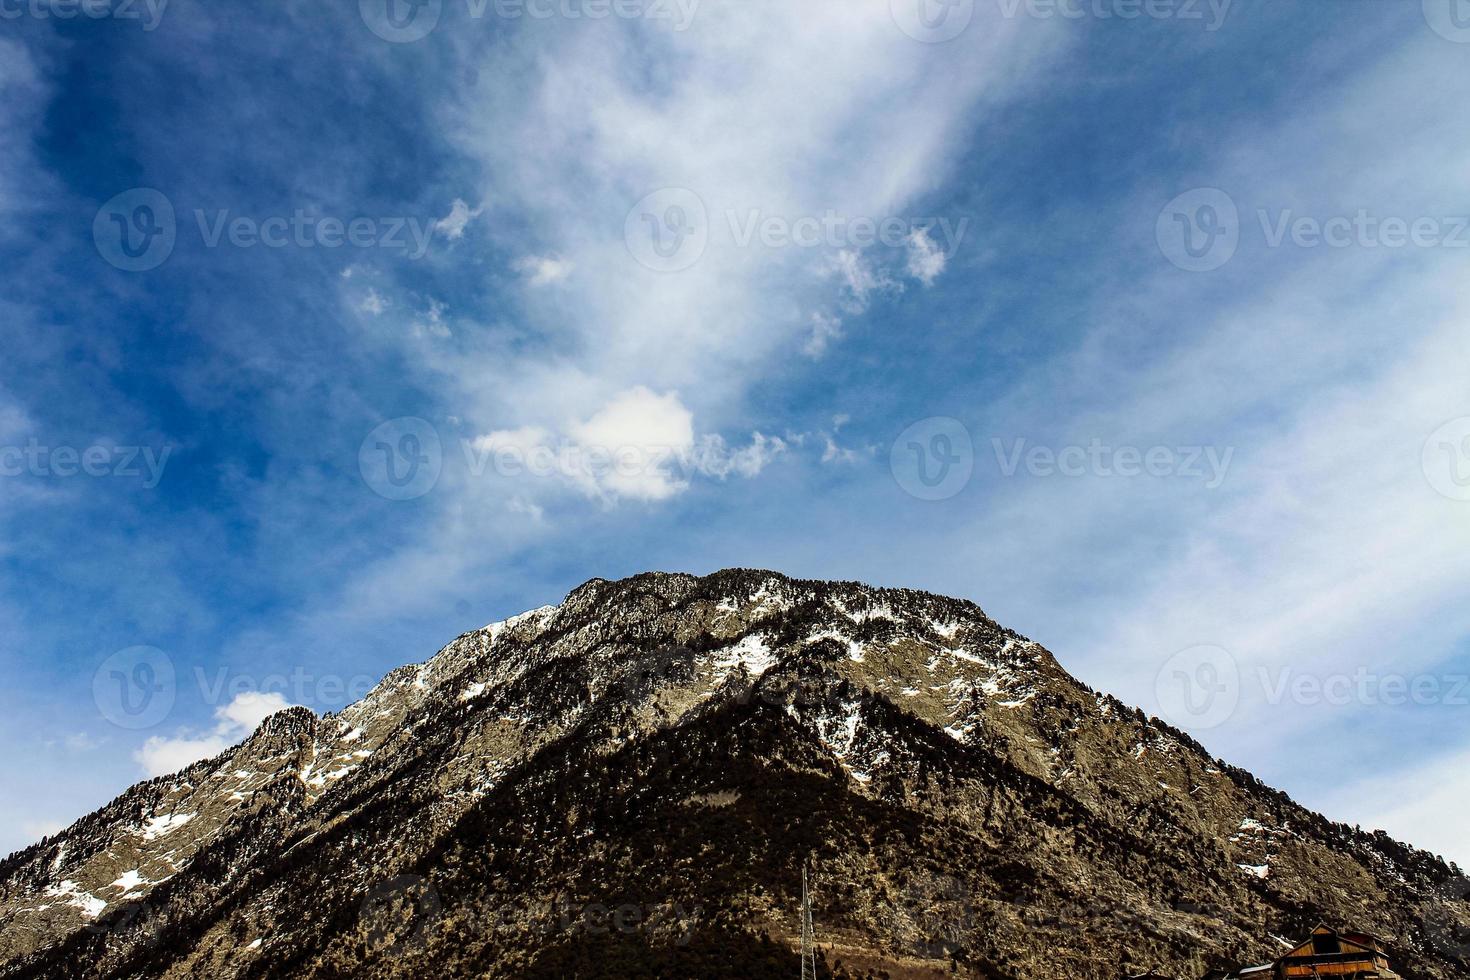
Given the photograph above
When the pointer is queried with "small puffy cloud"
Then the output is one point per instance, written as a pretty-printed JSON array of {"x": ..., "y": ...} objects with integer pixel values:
[
  {"x": 248, "y": 710},
  {"x": 523, "y": 440},
  {"x": 77, "y": 742},
  {"x": 520, "y": 505},
  {"x": 925, "y": 259},
  {"x": 453, "y": 224},
  {"x": 13, "y": 421},
  {"x": 432, "y": 324},
  {"x": 373, "y": 304},
  {"x": 860, "y": 278},
  {"x": 647, "y": 430},
  {"x": 833, "y": 453},
  {"x": 825, "y": 329},
  {"x": 81, "y": 742},
  {"x": 160, "y": 755},
  {"x": 543, "y": 270},
  {"x": 641, "y": 445},
  {"x": 713, "y": 458}
]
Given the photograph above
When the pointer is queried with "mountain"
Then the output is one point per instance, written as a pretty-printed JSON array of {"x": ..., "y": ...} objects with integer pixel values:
[{"x": 628, "y": 785}]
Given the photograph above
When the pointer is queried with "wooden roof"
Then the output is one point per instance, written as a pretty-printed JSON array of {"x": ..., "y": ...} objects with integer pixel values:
[{"x": 1352, "y": 942}]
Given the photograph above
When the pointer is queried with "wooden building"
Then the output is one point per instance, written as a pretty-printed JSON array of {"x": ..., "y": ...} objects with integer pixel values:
[
  {"x": 1326, "y": 953},
  {"x": 1329, "y": 953}
]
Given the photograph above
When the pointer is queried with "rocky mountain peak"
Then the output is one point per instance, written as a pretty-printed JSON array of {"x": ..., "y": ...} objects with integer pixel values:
[{"x": 678, "y": 747}]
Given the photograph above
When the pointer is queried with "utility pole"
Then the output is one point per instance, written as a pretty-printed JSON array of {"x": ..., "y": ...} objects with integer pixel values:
[{"x": 808, "y": 934}]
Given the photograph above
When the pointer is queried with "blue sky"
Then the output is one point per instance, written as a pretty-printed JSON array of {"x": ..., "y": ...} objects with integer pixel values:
[{"x": 1142, "y": 325}]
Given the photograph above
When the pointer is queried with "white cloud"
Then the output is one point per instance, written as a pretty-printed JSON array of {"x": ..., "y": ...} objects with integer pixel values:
[
  {"x": 543, "y": 270},
  {"x": 534, "y": 511},
  {"x": 714, "y": 458},
  {"x": 873, "y": 133},
  {"x": 653, "y": 429},
  {"x": 834, "y": 453},
  {"x": 14, "y": 422},
  {"x": 640, "y": 445},
  {"x": 453, "y": 224},
  {"x": 160, "y": 756},
  {"x": 925, "y": 259},
  {"x": 825, "y": 329},
  {"x": 373, "y": 303},
  {"x": 860, "y": 277},
  {"x": 431, "y": 323},
  {"x": 23, "y": 94},
  {"x": 248, "y": 710},
  {"x": 82, "y": 742}
]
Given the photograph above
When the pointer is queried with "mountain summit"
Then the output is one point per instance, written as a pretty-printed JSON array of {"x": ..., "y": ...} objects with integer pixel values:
[{"x": 629, "y": 784}]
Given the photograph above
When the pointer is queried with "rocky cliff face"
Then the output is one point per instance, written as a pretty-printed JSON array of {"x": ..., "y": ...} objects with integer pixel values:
[{"x": 627, "y": 785}]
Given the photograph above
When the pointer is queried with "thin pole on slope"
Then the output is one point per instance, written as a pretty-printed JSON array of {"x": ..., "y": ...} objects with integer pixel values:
[{"x": 808, "y": 934}]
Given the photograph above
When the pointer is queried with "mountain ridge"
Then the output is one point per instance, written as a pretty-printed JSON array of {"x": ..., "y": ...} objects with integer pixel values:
[{"x": 893, "y": 710}]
